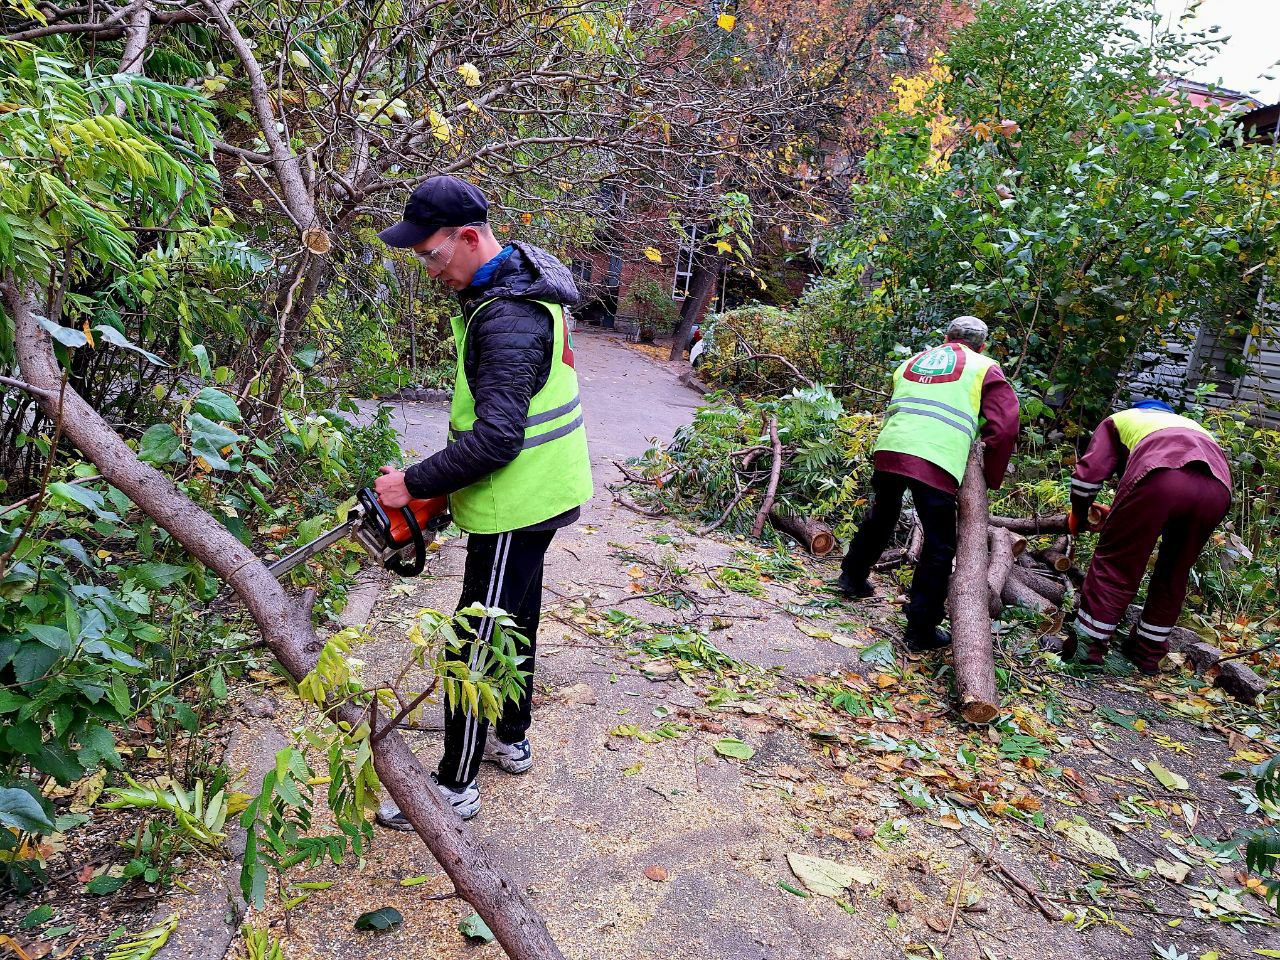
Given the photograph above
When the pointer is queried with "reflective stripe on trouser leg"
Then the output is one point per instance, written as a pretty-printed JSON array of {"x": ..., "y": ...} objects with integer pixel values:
[
  {"x": 1092, "y": 627},
  {"x": 477, "y": 659},
  {"x": 1154, "y": 633}
]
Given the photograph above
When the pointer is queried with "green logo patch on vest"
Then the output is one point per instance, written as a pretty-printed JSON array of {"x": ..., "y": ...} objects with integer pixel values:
[{"x": 942, "y": 364}]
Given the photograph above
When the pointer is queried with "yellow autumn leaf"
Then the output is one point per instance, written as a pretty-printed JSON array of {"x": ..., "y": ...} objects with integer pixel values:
[
  {"x": 723, "y": 247},
  {"x": 439, "y": 126},
  {"x": 652, "y": 254},
  {"x": 470, "y": 74},
  {"x": 726, "y": 21}
]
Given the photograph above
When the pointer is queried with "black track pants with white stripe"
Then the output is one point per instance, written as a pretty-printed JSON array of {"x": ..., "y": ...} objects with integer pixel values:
[{"x": 503, "y": 570}]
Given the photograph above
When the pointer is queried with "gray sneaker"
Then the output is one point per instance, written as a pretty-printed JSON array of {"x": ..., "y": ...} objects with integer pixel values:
[
  {"x": 511, "y": 757},
  {"x": 464, "y": 801}
]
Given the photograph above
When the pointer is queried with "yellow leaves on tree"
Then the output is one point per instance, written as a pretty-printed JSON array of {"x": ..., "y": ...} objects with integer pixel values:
[
  {"x": 652, "y": 254},
  {"x": 440, "y": 128},
  {"x": 470, "y": 74},
  {"x": 726, "y": 21},
  {"x": 922, "y": 95}
]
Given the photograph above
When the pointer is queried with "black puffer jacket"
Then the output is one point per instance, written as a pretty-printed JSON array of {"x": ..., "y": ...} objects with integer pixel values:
[{"x": 508, "y": 360}]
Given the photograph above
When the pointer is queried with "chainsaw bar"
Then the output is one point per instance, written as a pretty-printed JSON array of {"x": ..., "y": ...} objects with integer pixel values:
[{"x": 309, "y": 550}]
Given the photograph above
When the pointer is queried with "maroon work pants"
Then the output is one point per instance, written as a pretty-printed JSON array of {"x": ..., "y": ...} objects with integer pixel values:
[{"x": 1178, "y": 506}]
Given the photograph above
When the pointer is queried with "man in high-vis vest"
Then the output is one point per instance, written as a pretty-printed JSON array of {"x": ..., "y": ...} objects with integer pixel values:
[
  {"x": 943, "y": 399},
  {"x": 1175, "y": 486},
  {"x": 516, "y": 467}
]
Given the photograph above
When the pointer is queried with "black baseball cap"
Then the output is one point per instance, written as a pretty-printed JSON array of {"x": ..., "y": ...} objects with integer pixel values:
[{"x": 439, "y": 202}]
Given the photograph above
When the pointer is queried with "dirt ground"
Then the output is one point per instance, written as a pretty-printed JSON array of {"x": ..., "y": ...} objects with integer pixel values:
[{"x": 638, "y": 839}]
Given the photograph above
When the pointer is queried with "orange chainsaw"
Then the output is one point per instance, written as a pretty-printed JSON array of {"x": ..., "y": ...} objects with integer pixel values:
[{"x": 397, "y": 539}]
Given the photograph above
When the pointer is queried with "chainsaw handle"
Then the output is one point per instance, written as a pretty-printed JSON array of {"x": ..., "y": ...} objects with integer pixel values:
[{"x": 409, "y": 521}]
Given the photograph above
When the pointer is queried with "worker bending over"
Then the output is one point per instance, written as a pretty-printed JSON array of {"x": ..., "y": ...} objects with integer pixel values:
[{"x": 1175, "y": 485}]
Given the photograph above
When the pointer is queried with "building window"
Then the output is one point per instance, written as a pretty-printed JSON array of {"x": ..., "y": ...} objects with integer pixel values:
[
  {"x": 615, "y": 270},
  {"x": 581, "y": 270}
]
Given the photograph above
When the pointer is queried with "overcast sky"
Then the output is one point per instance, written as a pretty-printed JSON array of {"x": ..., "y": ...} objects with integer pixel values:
[{"x": 1253, "y": 47}]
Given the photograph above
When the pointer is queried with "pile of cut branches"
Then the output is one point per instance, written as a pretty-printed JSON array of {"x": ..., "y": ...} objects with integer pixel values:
[{"x": 741, "y": 466}]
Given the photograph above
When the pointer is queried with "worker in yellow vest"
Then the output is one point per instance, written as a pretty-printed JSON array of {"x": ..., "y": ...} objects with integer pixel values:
[
  {"x": 1175, "y": 486},
  {"x": 943, "y": 399},
  {"x": 516, "y": 467}
]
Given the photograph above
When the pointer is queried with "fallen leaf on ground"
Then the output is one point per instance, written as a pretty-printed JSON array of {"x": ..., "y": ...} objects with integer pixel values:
[
  {"x": 1173, "y": 872},
  {"x": 1088, "y": 839},
  {"x": 380, "y": 920},
  {"x": 580, "y": 694},
  {"x": 475, "y": 929},
  {"x": 827, "y": 878},
  {"x": 729, "y": 747},
  {"x": 87, "y": 791},
  {"x": 656, "y": 874},
  {"x": 1169, "y": 779},
  {"x": 816, "y": 632}
]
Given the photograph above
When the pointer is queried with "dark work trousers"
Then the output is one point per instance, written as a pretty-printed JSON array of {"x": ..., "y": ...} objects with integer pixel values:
[
  {"x": 503, "y": 570},
  {"x": 1180, "y": 506},
  {"x": 937, "y": 512}
]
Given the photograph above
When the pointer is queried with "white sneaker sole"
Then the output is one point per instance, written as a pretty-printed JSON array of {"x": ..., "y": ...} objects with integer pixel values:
[
  {"x": 389, "y": 814},
  {"x": 511, "y": 766}
]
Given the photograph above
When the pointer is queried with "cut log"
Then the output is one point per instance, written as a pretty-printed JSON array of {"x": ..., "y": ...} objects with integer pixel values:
[
  {"x": 1000, "y": 543},
  {"x": 1033, "y": 526},
  {"x": 1018, "y": 594},
  {"x": 814, "y": 535},
  {"x": 1052, "y": 590},
  {"x": 972, "y": 656},
  {"x": 1056, "y": 555},
  {"x": 1017, "y": 543},
  {"x": 285, "y": 624}
]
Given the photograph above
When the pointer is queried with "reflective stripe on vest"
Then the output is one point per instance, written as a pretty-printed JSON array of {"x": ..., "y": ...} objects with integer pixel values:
[
  {"x": 1133, "y": 426},
  {"x": 935, "y": 410},
  {"x": 552, "y": 472}
]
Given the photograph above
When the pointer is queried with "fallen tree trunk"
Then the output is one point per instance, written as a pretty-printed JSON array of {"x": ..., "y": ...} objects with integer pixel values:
[
  {"x": 972, "y": 656},
  {"x": 286, "y": 627},
  {"x": 1000, "y": 542},
  {"x": 1052, "y": 590},
  {"x": 814, "y": 535}
]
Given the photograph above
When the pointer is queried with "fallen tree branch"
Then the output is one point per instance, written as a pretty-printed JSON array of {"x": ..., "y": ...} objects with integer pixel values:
[
  {"x": 775, "y": 472},
  {"x": 29, "y": 388},
  {"x": 288, "y": 631},
  {"x": 915, "y": 541},
  {"x": 727, "y": 510}
]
